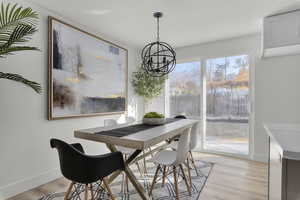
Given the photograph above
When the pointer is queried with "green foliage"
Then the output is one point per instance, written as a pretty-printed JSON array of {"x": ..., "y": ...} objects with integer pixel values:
[
  {"x": 16, "y": 77},
  {"x": 153, "y": 115},
  {"x": 17, "y": 25},
  {"x": 147, "y": 86}
]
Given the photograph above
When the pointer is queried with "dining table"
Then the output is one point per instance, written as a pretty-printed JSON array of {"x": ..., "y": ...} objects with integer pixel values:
[{"x": 139, "y": 137}]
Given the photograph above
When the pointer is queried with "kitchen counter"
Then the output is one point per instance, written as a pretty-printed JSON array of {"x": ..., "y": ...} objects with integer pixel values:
[{"x": 287, "y": 136}]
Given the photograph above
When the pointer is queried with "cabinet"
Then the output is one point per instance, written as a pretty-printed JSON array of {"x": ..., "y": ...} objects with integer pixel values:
[
  {"x": 284, "y": 175},
  {"x": 277, "y": 175}
]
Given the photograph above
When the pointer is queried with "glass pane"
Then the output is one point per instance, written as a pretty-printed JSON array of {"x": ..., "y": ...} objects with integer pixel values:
[
  {"x": 227, "y": 104},
  {"x": 184, "y": 90}
]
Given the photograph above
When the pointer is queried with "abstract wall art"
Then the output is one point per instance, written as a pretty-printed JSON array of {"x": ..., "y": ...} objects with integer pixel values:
[{"x": 87, "y": 75}]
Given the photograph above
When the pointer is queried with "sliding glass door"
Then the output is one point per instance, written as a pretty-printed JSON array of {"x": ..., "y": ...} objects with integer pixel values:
[
  {"x": 227, "y": 105},
  {"x": 216, "y": 91}
]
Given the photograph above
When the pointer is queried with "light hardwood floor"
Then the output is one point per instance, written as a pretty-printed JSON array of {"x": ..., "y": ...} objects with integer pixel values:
[{"x": 230, "y": 179}]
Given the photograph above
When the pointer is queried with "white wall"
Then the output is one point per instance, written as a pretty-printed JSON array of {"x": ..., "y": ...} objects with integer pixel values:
[
  {"x": 275, "y": 84},
  {"x": 26, "y": 159},
  {"x": 277, "y": 96}
]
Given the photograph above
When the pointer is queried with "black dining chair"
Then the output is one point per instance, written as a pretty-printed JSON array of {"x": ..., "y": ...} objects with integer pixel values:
[
  {"x": 180, "y": 117},
  {"x": 84, "y": 169}
]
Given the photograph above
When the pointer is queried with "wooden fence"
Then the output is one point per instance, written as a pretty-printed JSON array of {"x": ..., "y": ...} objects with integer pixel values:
[{"x": 218, "y": 107}]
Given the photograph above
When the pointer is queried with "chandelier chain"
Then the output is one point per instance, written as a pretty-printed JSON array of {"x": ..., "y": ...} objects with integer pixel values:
[{"x": 158, "y": 29}]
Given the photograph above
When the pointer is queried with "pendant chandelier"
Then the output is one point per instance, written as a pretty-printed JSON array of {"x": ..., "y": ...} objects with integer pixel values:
[{"x": 158, "y": 58}]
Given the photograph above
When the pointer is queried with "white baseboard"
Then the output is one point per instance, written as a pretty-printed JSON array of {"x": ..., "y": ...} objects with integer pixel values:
[{"x": 18, "y": 187}]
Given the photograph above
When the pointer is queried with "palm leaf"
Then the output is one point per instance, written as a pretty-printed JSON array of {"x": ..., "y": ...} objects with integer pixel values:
[
  {"x": 16, "y": 77},
  {"x": 20, "y": 34},
  {"x": 17, "y": 24},
  {"x": 10, "y": 50},
  {"x": 12, "y": 16}
]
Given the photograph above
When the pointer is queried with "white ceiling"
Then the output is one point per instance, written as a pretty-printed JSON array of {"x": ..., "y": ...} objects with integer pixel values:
[{"x": 185, "y": 22}]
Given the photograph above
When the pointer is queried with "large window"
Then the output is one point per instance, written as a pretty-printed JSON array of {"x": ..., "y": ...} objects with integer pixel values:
[{"x": 184, "y": 90}]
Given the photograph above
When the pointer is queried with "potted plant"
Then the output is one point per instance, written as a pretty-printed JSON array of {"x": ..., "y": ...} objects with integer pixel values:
[
  {"x": 17, "y": 25},
  {"x": 154, "y": 118},
  {"x": 146, "y": 85}
]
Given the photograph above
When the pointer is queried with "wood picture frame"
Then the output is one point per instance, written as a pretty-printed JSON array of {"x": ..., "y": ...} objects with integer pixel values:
[{"x": 76, "y": 67}]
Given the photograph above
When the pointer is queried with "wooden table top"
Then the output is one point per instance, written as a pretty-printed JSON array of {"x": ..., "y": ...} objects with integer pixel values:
[{"x": 139, "y": 140}]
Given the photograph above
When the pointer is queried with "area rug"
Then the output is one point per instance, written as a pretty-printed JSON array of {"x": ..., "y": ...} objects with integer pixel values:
[{"x": 159, "y": 193}]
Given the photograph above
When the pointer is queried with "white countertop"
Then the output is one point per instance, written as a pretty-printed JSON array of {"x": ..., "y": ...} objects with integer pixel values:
[{"x": 288, "y": 138}]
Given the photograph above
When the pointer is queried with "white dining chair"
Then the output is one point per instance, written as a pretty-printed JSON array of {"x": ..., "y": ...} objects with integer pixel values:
[
  {"x": 174, "y": 159},
  {"x": 195, "y": 138}
]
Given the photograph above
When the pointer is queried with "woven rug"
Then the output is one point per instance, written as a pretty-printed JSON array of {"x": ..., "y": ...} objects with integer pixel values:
[{"x": 159, "y": 193}]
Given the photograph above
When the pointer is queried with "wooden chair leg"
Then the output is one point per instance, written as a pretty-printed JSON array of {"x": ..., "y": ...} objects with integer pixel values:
[
  {"x": 69, "y": 191},
  {"x": 186, "y": 181},
  {"x": 189, "y": 171},
  {"x": 154, "y": 179},
  {"x": 92, "y": 192},
  {"x": 86, "y": 195},
  {"x": 126, "y": 179},
  {"x": 176, "y": 183},
  {"x": 164, "y": 176},
  {"x": 139, "y": 168},
  {"x": 106, "y": 185},
  {"x": 193, "y": 162},
  {"x": 126, "y": 184},
  {"x": 123, "y": 183},
  {"x": 145, "y": 166}
]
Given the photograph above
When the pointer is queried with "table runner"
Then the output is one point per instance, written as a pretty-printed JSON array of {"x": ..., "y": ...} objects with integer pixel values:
[{"x": 128, "y": 130}]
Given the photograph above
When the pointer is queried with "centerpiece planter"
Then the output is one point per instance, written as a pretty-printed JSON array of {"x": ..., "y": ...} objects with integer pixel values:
[{"x": 154, "y": 118}]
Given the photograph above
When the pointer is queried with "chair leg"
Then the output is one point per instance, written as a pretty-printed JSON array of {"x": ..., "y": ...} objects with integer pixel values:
[
  {"x": 154, "y": 180},
  {"x": 193, "y": 162},
  {"x": 189, "y": 170},
  {"x": 69, "y": 190},
  {"x": 122, "y": 183},
  {"x": 86, "y": 195},
  {"x": 185, "y": 180},
  {"x": 176, "y": 183},
  {"x": 139, "y": 168},
  {"x": 126, "y": 184},
  {"x": 106, "y": 185},
  {"x": 126, "y": 179},
  {"x": 145, "y": 166},
  {"x": 164, "y": 176},
  {"x": 92, "y": 193}
]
